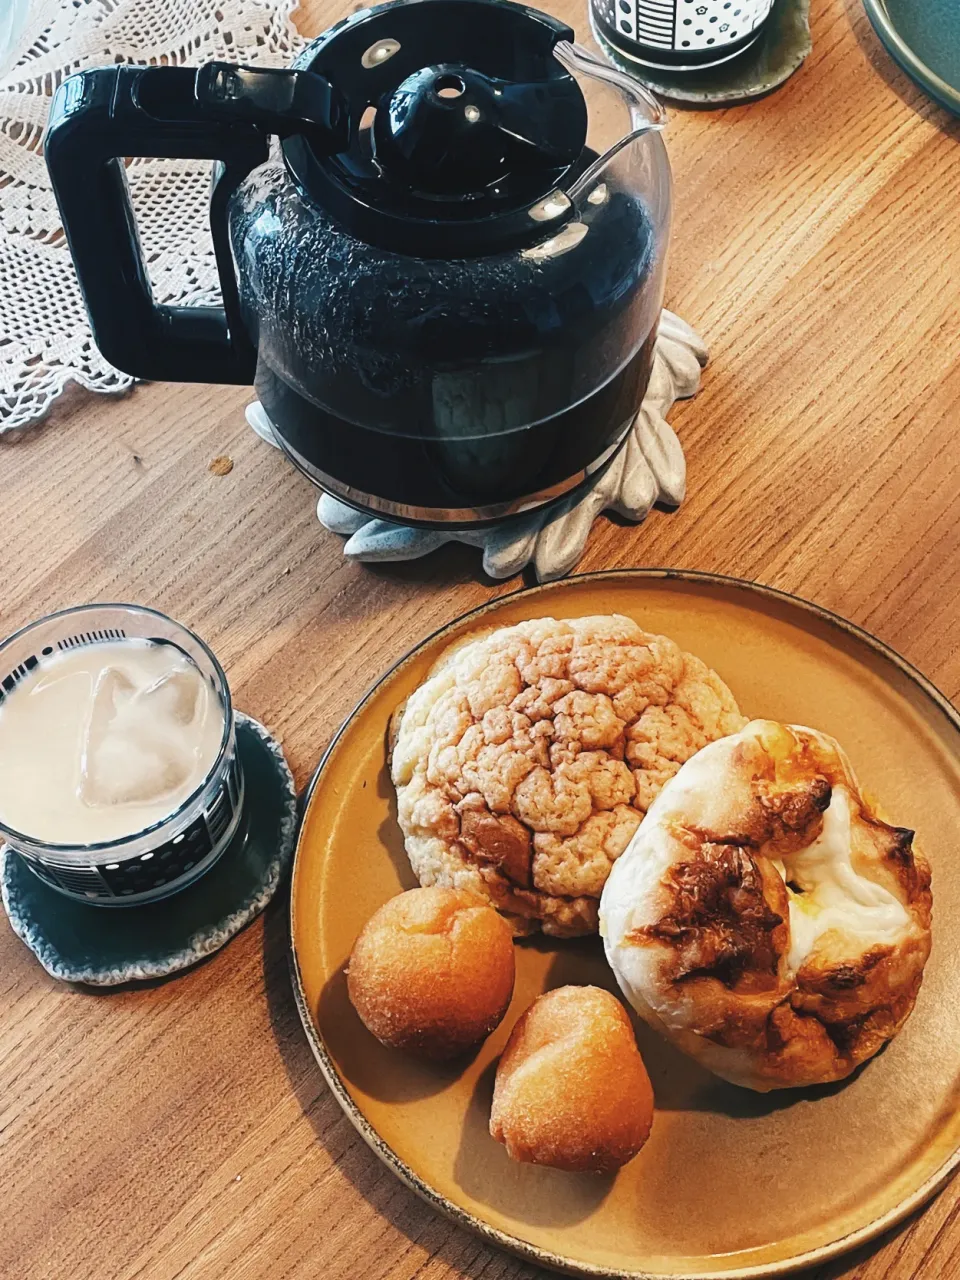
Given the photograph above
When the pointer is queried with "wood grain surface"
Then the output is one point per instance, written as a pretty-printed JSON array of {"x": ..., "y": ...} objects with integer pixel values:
[{"x": 181, "y": 1129}]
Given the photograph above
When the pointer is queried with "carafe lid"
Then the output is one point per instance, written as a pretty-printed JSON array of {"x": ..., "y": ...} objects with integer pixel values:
[{"x": 464, "y": 128}]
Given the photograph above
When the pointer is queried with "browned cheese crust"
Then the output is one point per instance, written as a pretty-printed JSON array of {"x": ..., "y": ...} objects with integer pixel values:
[
  {"x": 432, "y": 972},
  {"x": 725, "y": 921},
  {"x": 571, "y": 1089}
]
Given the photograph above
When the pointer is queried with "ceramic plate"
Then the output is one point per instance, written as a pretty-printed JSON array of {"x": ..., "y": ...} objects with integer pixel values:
[
  {"x": 731, "y": 1183},
  {"x": 924, "y": 37}
]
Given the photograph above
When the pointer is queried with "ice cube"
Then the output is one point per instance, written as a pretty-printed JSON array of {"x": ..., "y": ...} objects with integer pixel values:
[
  {"x": 135, "y": 750},
  {"x": 174, "y": 696},
  {"x": 112, "y": 689}
]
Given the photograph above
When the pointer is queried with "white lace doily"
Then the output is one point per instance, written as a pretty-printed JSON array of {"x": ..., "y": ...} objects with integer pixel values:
[{"x": 45, "y": 339}]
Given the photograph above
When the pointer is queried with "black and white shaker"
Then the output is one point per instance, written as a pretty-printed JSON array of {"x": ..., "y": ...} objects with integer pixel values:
[{"x": 680, "y": 35}]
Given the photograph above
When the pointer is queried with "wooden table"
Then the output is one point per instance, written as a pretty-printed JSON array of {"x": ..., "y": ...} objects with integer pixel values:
[{"x": 182, "y": 1129}]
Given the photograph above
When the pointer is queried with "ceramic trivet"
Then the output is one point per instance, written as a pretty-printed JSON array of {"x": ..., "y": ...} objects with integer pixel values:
[
  {"x": 104, "y": 946},
  {"x": 650, "y": 468},
  {"x": 777, "y": 54}
]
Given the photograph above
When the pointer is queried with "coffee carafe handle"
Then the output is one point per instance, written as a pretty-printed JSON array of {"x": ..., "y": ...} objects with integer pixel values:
[{"x": 219, "y": 112}]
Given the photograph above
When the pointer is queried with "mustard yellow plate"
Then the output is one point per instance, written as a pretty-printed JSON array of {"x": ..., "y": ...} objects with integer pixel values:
[{"x": 731, "y": 1183}]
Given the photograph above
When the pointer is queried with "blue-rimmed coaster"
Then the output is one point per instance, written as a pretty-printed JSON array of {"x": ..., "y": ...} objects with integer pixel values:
[{"x": 76, "y": 942}]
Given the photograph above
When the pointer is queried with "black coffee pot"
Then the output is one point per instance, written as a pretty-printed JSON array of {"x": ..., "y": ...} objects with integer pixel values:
[{"x": 444, "y": 279}]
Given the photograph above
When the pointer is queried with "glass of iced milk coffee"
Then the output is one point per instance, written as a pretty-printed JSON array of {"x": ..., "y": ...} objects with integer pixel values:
[{"x": 119, "y": 778}]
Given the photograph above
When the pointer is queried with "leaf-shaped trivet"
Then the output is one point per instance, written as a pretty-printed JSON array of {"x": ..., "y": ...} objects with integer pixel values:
[{"x": 649, "y": 468}]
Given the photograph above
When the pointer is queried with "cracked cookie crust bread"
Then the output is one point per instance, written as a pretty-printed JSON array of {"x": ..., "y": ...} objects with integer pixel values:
[
  {"x": 764, "y": 918},
  {"x": 526, "y": 761}
]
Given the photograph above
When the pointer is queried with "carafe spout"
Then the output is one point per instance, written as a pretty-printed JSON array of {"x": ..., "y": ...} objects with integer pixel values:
[{"x": 646, "y": 111}]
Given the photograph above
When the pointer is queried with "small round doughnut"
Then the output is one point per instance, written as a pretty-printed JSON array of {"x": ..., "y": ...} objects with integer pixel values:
[
  {"x": 432, "y": 972},
  {"x": 571, "y": 1090}
]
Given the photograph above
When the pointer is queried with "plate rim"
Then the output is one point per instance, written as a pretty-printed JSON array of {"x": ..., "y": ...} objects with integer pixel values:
[
  {"x": 942, "y": 91},
  {"x": 449, "y": 1208}
]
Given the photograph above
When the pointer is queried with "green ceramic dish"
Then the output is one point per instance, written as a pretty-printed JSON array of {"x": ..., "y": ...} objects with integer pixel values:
[{"x": 924, "y": 37}]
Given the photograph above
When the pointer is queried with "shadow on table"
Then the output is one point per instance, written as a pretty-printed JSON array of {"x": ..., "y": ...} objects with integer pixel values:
[{"x": 451, "y": 564}]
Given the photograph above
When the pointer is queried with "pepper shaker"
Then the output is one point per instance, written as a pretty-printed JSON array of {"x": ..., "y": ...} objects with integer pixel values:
[{"x": 680, "y": 35}]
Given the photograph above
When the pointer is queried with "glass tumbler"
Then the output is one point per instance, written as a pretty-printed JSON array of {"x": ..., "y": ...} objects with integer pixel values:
[{"x": 160, "y": 859}]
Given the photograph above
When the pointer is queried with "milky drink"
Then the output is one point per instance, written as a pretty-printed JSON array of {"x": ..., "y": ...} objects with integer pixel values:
[{"x": 101, "y": 741}]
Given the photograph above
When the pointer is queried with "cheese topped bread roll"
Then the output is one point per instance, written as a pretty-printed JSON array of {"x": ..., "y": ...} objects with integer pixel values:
[{"x": 764, "y": 918}]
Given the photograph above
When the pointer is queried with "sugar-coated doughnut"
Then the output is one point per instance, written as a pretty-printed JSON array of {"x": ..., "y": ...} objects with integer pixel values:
[
  {"x": 432, "y": 972},
  {"x": 571, "y": 1088}
]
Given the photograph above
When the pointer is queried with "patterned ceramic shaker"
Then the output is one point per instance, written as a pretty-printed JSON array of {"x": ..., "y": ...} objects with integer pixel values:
[{"x": 680, "y": 35}]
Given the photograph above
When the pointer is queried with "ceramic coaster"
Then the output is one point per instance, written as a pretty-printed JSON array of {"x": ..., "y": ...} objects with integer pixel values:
[
  {"x": 650, "y": 468},
  {"x": 774, "y": 58},
  {"x": 105, "y": 946}
]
